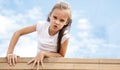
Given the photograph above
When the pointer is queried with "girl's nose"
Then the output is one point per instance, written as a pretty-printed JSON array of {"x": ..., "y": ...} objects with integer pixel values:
[{"x": 57, "y": 22}]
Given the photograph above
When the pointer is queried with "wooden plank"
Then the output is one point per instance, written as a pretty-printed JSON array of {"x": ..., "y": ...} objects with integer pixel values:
[
  {"x": 70, "y": 60},
  {"x": 109, "y": 61},
  {"x": 109, "y": 66},
  {"x": 65, "y": 64},
  {"x": 50, "y": 66},
  {"x": 5, "y": 66}
]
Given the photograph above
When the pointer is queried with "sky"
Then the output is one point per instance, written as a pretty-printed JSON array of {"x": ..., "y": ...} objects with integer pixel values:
[{"x": 95, "y": 29}]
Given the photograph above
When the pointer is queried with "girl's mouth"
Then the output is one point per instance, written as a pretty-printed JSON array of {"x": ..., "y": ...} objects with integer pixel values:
[{"x": 55, "y": 26}]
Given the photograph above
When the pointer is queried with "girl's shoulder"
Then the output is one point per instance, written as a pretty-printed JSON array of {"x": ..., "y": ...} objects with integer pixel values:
[
  {"x": 66, "y": 35},
  {"x": 41, "y": 24}
]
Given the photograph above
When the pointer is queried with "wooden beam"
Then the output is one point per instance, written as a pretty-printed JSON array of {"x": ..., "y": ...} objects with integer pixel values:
[{"x": 65, "y": 64}]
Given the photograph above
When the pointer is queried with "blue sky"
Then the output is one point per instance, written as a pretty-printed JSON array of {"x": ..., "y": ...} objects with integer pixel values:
[{"x": 95, "y": 29}]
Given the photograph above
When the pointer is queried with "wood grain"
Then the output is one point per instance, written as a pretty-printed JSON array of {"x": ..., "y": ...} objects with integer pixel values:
[{"x": 64, "y": 64}]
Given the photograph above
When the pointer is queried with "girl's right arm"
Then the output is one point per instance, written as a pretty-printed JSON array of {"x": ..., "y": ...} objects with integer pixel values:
[{"x": 11, "y": 58}]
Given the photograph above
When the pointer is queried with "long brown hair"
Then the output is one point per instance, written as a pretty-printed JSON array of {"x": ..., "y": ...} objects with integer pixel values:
[{"x": 64, "y": 6}]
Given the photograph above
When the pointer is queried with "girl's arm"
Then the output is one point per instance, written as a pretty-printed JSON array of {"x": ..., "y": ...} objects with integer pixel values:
[
  {"x": 17, "y": 34},
  {"x": 10, "y": 56},
  {"x": 64, "y": 47}
]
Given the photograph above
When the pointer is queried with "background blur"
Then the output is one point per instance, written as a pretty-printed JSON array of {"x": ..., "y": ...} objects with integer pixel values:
[{"x": 95, "y": 29}]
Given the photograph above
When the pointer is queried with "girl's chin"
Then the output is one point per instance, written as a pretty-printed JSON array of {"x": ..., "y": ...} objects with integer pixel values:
[{"x": 55, "y": 30}]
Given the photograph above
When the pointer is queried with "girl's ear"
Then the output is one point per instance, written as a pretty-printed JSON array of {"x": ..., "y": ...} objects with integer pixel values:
[
  {"x": 67, "y": 22},
  {"x": 49, "y": 16}
]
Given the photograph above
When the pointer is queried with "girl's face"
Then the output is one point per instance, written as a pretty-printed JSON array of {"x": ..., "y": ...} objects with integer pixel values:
[{"x": 58, "y": 19}]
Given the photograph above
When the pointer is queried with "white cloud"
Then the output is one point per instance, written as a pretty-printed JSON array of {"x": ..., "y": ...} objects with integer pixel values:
[
  {"x": 3, "y": 46},
  {"x": 7, "y": 25},
  {"x": 74, "y": 49},
  {"x": 7, "y": 12},
  {"x": 27, "y": 46},
  {"x": 84, "y": 34},
  {"x": 34, "y": 13},
  {"x": 21, "y": 18},
  {"x": 6, "y": 22},
  {"x": 83, "y": 48},
  {"x": 85, "y": 45},
  {"x": 77, "y": 13},
  {"x": 74, "y": 45},
  {"x": 84, "y": 27},
  {"x": 83, "y": 24}
]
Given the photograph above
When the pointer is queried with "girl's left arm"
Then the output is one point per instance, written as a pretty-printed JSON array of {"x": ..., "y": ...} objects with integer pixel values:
[{"x": 64, "y": 47}]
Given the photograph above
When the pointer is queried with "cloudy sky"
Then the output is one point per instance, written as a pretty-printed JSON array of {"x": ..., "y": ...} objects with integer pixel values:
[{"x": 95, "y": 29}]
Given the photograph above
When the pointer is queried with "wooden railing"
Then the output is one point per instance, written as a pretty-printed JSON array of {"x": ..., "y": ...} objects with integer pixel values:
[{"x": 65, "y": 64}]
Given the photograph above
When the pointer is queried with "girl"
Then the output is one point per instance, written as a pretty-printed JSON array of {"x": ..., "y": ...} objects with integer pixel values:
[{"x": 53, "y": 36}]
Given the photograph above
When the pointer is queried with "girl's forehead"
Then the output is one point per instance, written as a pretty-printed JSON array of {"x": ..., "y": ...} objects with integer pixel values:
[{"x": 60, "y": 12}]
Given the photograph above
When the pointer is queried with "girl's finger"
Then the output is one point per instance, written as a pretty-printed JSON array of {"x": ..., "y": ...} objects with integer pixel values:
[
  {"x": 38, "y": 65},
  {"x": 34, "y": 64},
  {"x": 18, "y": 56},
  {"x": 41, "y": 62},
  {"x": 29, "y": 62},
  {"x": 10, "y": 60},
  {"x": 13, "y": 60}
]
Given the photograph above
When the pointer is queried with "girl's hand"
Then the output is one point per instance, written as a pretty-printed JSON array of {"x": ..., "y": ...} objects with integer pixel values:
[
  {"x": 12, "y": 59},
  {"x": 38, "y": 60}
]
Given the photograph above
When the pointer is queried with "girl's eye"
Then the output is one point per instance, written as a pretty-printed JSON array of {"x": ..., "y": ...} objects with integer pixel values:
[
  {"x": 62, "y": 20},
  {"x": 54, "y": 17}
]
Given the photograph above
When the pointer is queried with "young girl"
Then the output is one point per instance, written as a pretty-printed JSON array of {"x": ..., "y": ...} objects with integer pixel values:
[{"x": 53, "y": 36}]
